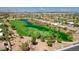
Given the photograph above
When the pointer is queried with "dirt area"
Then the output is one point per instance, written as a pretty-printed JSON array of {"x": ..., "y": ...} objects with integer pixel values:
[
  {"x": 41, "y": 46},
  {"x": 17, "y": 41},
  {"x": 2, "y": 45}
]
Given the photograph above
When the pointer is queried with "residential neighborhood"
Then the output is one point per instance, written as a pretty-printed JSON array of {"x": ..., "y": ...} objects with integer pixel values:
[{"x": 38, "y": 31}]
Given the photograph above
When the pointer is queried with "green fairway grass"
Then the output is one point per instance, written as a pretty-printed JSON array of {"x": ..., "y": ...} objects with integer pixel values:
[{"x": 27, "y": 28}]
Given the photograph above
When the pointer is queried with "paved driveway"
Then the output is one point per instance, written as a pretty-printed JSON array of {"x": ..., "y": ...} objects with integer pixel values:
[{"x": 74, "y": 48}]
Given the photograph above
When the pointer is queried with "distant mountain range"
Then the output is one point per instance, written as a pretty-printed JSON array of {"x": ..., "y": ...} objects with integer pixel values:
[{"x": 39, "y": 9}]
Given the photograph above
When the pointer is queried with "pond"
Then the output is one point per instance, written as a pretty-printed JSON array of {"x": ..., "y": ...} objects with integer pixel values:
[
  {"x": 26, "y": 21},
  {"x": 35, "y": 26}
]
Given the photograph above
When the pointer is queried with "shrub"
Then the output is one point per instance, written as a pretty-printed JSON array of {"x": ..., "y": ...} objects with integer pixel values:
[
  {"x": 49, "y": 42},
  {"x": 25, "y": 46},
  {"x": 42, "y": 40},
  {"x": 34, "y": 41},
  {"x": 59, "y": 41}
]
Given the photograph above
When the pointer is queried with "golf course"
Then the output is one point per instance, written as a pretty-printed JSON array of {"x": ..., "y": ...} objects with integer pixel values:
[{"x": 25, "y": 27}]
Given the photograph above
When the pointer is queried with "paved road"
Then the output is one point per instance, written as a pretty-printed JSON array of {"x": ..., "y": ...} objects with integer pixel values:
[{"x": 74, "y": 48}]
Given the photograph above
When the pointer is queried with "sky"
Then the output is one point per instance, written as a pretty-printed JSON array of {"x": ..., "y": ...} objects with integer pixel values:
[{"x": 42, "y": 9}]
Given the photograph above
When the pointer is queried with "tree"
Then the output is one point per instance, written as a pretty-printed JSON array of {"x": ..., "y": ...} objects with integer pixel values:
[{"x": 5, "y": 31}]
